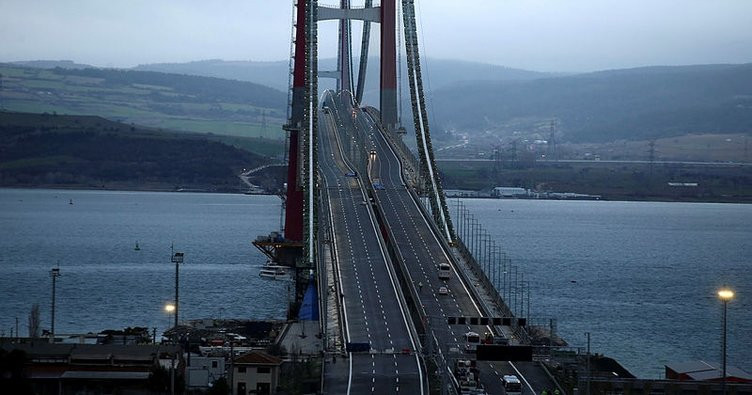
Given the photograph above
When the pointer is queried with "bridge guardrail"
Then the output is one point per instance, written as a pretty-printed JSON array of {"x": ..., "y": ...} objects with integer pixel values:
[{"x": 497, "y": 299}]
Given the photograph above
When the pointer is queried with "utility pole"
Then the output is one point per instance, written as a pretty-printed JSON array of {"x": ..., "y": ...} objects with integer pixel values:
[
  {"x": 552, "y": 140},
  {"x": 54, "y": 273},
  {"x": 528, "y": 301},
  {"x": 651, "y": 152},
  {"x": 515, "y": 291},
  {"x": 587, "y": 392},
  {"x": 522, "y": 294},
  {"x": 177, "y": 259},
  {"x": 504, "y": 278}
]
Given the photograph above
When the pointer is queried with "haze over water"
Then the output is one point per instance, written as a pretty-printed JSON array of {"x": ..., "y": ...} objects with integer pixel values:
[{"x": 645, "y": 274}]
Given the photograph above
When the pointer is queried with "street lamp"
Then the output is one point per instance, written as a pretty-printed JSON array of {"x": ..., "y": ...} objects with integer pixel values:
[
  {"x": 725, "y": 295},
  {"x": 177, "y": 259},
  {"x": 172, "y": 308},
  {"x": 169, "y": 308},
  {"x": 54, "y": 273}
]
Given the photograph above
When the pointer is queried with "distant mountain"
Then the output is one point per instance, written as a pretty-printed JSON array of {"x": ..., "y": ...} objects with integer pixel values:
[
  {"x": 51, "y": 64},
  {"x": 440, "y": 72},
  {"x": 210, "y": 89},
  {"x": 273, "y": 74},
  {"x": 641, "y": 103}
]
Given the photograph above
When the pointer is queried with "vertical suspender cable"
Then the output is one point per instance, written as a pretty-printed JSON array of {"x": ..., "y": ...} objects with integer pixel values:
[{"x": 438, "y": 204}]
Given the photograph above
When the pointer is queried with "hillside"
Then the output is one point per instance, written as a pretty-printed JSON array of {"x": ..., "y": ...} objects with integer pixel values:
[
  {"x": 168, "y": 101},
  {"x": 51, "y": 64},
  {"x": 633, "y": 104},
  {"x": 508, "y": 105},
  {"x": 92, "y": 152},
  {"x": 441, "y": 72}
]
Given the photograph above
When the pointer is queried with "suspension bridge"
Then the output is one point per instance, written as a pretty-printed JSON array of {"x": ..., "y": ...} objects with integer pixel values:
[{"x": 366, "y": 223}]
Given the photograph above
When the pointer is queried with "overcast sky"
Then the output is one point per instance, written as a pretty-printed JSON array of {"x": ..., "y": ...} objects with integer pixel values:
[{"x": 544, "y": 35}]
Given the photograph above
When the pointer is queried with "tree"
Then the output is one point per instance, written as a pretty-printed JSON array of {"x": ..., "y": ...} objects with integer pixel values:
[
  {"x": 34, "y": 321},
  {"x": 219, "y": 387}
]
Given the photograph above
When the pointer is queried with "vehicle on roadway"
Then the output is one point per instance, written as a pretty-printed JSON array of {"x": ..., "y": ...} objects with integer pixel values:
[
  {"x": 472, "y": 340},
  {"x": 351, "y": 174},
  {"x": 443, "y": 291},
  {"x": 445, "y": 271},
  {"x": 491, "y": 339},
  {"x": 512, "y": 384},
  {"x": 467, "y": 378}
]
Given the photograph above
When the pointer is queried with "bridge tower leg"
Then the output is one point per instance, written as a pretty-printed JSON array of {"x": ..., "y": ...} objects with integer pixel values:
[
  {"x": 360, "y": 87},
  {"x": 388, "y": 83},
  {"x": 294, "y": 193},
  {"x": 344, "y": 58}
]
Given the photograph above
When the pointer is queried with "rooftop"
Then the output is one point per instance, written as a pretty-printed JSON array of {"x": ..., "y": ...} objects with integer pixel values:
[{"x": 258, "y": 358}]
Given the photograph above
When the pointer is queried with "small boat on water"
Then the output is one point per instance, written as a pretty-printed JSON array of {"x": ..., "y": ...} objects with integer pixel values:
[
  {"x": 274, "y": 272},
  {"x": 137, "y": 248},
  {"x": 70, "y": 201}
]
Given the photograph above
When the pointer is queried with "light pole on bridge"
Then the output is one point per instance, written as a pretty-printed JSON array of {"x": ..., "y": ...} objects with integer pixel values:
[
  {"x": 54, "y": 273},
  {"x": 726, "y": 295}
]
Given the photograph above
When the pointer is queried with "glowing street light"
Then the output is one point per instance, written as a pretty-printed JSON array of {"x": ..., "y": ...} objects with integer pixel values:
[
  {"x": 725, "y": 294},
  {"x": 169, "y": 308}
]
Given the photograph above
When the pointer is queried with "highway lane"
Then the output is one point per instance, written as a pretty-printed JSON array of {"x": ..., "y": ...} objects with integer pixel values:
[
  {"x": 373, "y": 313},
  {"x": 421, "y": 252}
]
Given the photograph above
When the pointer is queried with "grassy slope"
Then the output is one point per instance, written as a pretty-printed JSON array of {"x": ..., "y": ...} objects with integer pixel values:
[{"x": 169, "y": 101}]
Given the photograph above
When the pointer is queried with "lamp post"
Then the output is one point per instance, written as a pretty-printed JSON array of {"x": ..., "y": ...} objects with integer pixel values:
[
  {"x": 177, "y": 259},
  {"x": 587, "y": 334},
  {"x": 169, "y": 308},
  {"x": 54, "y": 273},
  {"x": 725, "y": 295}
]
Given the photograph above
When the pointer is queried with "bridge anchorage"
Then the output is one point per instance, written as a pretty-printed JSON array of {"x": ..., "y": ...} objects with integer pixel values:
[{"x": 375, "y": 267}]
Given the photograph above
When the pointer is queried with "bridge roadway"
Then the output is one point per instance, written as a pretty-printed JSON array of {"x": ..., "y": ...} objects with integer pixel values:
[
  {"x": 421, "y": 251},
  {"x": 372, "y": 310}
]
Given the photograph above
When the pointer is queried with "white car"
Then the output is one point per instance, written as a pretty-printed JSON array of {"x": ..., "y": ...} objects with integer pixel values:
[{"x": 443, "y": 291}]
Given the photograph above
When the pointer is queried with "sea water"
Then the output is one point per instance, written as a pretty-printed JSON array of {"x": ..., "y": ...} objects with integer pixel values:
[
  {"x": 106, "y": 283},
  {"x": 640, "y": 277}
]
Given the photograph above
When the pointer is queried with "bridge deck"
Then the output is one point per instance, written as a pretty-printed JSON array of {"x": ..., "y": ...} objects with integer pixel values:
[{"x": 372, "y": 311}]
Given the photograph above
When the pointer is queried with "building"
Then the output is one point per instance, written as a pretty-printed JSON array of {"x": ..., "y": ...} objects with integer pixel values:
[
  {"x": 92, "y": 368},
  {"x": 705, "y": 371},
  {"x": 255, "y": 373},
  {"x": 510, "y": 192},
  {"x": 203, "y": 370}
]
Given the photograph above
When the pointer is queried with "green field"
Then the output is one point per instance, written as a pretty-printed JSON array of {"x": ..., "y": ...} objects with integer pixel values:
[{"x": 163, "y": 101}]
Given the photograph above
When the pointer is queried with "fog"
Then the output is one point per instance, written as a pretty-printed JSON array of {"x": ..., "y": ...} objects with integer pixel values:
[{"x": 544, "y": 35}]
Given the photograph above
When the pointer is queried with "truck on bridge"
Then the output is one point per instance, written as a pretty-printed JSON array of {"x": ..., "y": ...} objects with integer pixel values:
[{"x": 445, "y": 271}]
